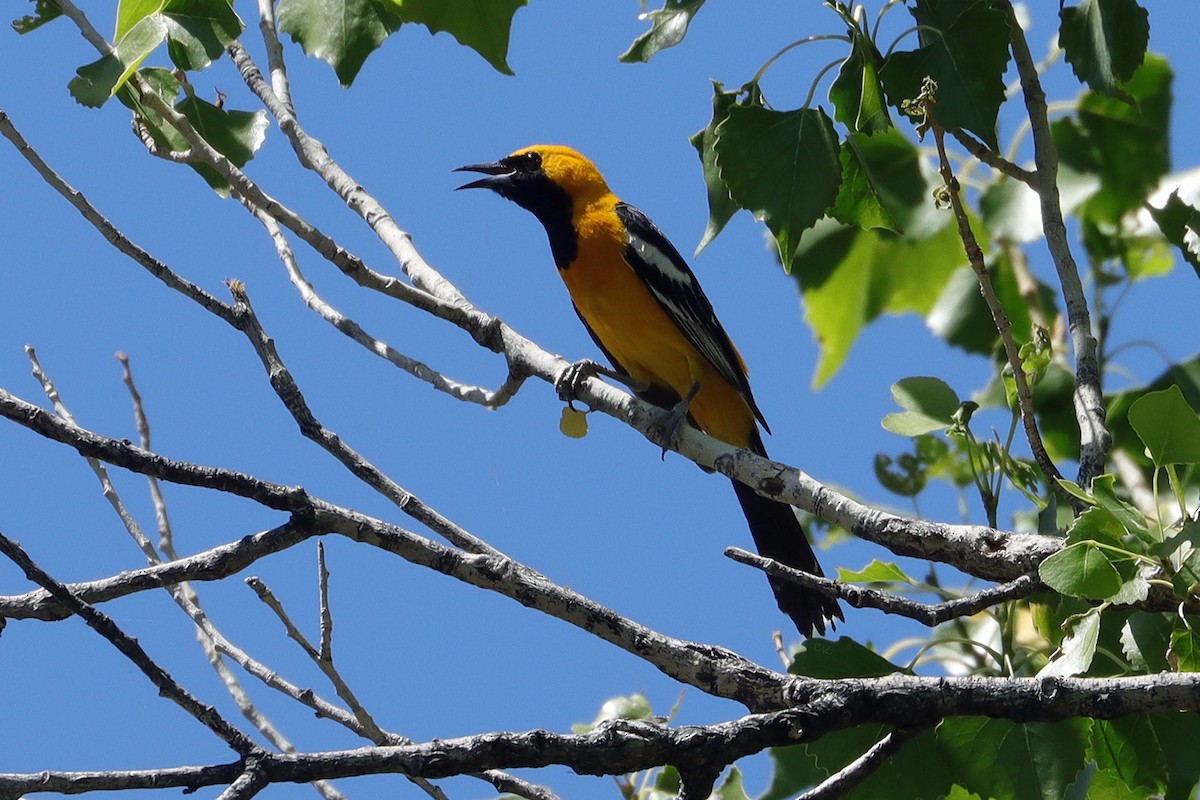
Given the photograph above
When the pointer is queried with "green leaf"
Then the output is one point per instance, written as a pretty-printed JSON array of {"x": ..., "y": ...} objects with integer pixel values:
[
  {"x": 876, "y": 572},
  {"x": 1104, "y": 492},
  {"x": 668, "y": 783},
  {"x": 634, "y": 706},
  {"x": 1146, "y": 257},
  {"x": 1105, "y": 785},
  {"x": 794, "y": 770},
  {"x": 341, "y": 33},
  {"x": 881, "y": 181},
  {"x": 964, "y": 48},
  {"x": 1184, "y": 654},
  {"x": 908, "y": 477},
  {"x": 1120, "y": 748},
  {"x": 1081, "y": 570},
  {"x": 844, "y": 658},
  {"x": 43, "y": 11},
  {"x": 782, "y": 166},
  {"x": 1127, "y": 145},
  {"x": 848, "y": 277},
  {"x": 858, "y": 201},
  {"x": 961, "y": 315},
  {"x": 1187, "y": 578},
  {"x": 1104, "y": 41},
  {"x": 98, "y": 81},
  {"x": 1075, "y": 654},
  {"x": 235, "y": 134},
  {"x": 721, "y": 207},
  {"x": 1097, "y": 524},
  {"x": 668, "y": 26},
  {"x": 1180, "y": 223},
  {"x": 999, "y": 758},
  {"x": 1185, "y": 375},
  {"x": 198, "y": 31},
  {"x": 1168, "y": 426},
  {"x": 482, "y": 25},
  {"x": 856, "y": 92},
  {"x": 732, "y": 787},
  {"x": 916, "y": 771},
  {"x": 1133, "y": 591},
  {"x": 929, "y": 405},
  {"x": 1144, "y": 641},
  {"x": 1156, "y": 751}
]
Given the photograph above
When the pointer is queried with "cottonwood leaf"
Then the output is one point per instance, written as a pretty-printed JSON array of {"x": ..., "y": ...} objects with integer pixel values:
[
  {"x": 342, "y": 33},
  {"x": 1168, "y": 426},
  {"x": 999, "y": 758},
  {"x": 1180, "y": 224},
  {"x": 964, "y": 48},
  {"x": 668, "y": 26},
  {"x": 482, "y": 25},
  {"x": 721, "y": 206},
  {"x": 782, "y": 166},
  {"x": 1104, "y": 41}
]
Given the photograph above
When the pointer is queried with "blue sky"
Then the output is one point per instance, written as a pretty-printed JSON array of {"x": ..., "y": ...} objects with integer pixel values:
[{"x": 604, "y": 515}]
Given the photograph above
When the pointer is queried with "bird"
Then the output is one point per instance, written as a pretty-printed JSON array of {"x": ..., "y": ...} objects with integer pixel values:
[{"x": 645, "y": 310}]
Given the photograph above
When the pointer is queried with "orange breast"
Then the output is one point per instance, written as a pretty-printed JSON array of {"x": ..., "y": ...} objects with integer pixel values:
[{"x": 641, "y": 336}]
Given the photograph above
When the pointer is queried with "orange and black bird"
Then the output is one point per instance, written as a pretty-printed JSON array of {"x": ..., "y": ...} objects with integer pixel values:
[{"x": 644, "y": 308}]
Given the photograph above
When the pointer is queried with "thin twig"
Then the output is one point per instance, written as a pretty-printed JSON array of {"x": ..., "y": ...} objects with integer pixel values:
[
  {"x": 313, "y": 154},
  {"x": 280, "y": 84},
  {"x": 129, "y": 647},
  {"x": 347, "y": 326},
  {"x": 1095, "y": 438},
  {"x": 366, "y": 725},
  {"x": 930, "y": 614},
  {"x": 166, "y": 538},
  {"x": 293, "y": 399},
  {"x": 326, "y": 652},
  {"x": 984, "y": 153},
  {"x": 109, "y": 490},
  {"x": 214, "y": 644},
  {"x": 252, "y": 781},
  {"x": 108, "y": 230},
  {"x": 858, "y": 770},
  {"x": 999, "y": 317}
]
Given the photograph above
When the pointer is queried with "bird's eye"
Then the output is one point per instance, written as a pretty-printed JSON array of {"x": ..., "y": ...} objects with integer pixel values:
[{"x": 526, "y": 162}]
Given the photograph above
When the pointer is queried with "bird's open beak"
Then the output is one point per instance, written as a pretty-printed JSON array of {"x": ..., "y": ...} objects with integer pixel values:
[{"x": 497, "y": 175}]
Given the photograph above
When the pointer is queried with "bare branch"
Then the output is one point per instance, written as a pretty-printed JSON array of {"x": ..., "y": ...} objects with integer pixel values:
[
  {"x": 252, "y": 781},
  {"x": 293, "y": 399},
  {"x": 107, "y": 229},
  {"x": 863, "y": 597},
  {"x": 619, "y": 747},
  {"x": 312, "y": 154},
  {"x": 999, "y": 317},
  {"x": 128, "y": 646},
  {"x": 347, "y": 326},
  {"x": 1095, "y": 439},
  {"x": 985, "y": 155}
]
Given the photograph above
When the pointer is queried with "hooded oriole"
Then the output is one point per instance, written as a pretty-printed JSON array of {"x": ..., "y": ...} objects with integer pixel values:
[{"x": 644, "y": 308}]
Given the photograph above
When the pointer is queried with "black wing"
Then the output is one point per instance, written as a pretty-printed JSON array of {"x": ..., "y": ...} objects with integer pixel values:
[{"x": 674, "y": 286}]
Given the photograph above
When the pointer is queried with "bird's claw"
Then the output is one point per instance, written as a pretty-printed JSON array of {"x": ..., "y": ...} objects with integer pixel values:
[
  {"x": 570, "y": 380},
  {"x": 669, "y": 424}
]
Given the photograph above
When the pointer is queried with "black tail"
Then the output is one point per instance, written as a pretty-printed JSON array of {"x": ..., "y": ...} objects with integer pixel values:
[{"x": 779, "y": 536}]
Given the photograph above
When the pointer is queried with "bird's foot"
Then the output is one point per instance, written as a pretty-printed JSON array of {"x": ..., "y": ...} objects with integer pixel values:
[
  {"x": 570, "y": 380},
  {"x": 670, "y": 423}
]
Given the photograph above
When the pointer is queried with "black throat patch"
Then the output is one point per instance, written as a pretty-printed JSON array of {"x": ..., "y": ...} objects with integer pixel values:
[{"x": 551, "y": 204}]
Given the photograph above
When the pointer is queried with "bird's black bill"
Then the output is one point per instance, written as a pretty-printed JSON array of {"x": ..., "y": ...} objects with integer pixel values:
[{"x": 496, "y": 173}]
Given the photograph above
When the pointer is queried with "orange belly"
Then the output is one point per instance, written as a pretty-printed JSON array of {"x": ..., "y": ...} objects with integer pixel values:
[{"x": 640, "y": 336}]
